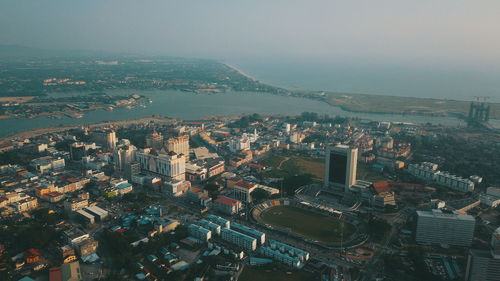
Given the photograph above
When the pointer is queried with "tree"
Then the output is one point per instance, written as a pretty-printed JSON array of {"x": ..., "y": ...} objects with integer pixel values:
[
  {"x": 259, "y": 194},
  {"x": 378, "y": 227},
  {"x": 211, "y": 187}
]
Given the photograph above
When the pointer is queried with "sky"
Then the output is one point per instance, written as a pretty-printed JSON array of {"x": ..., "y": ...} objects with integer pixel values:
[{"x": 401, "y": 30}]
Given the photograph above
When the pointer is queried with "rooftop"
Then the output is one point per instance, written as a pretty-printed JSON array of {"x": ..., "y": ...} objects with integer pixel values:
[
  {"x": 226, "y": 200},
  {"x": 444, "y": 215}
]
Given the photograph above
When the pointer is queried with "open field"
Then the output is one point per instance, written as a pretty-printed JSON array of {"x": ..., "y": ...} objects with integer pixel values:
[
  {"x": 16, "y": 99},
  {"x": 312, "y": 225},
  {"x": 289, "y": 166},
  {"x": 253, "y": 274},
  {"x": 396, "y": 104},
  {"x": 365, "y": 172}
]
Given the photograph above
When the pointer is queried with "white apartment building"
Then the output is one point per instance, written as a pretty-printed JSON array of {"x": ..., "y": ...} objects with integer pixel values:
[{"x": 447, "y": 228}]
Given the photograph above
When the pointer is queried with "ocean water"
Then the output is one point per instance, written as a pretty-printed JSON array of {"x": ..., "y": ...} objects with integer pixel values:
[{"x": 443, "y": 81}]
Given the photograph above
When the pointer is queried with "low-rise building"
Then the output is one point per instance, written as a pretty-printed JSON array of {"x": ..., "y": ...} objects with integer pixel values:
[
  {"x": 48, "y": 163},
  {"x": 199, "y": 232},
  {"x": 239, "y": 239},
  {"x": 176, "y": 188},
  {"x": 260, "y": 236},
  {"x": 227, "y": 205},
  {"x": 75, "y": 204}
]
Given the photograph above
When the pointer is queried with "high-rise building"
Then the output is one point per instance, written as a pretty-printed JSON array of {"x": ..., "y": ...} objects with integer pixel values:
[
  {"x": 77, "y": 151},
  {"x": 154, "y": 140},
  {"x": 124, "y": 155},
  {"x": 484, "y": 265},
  {"x": 447, "y": 228},
  {"x": 179, "y": 145},
  {"x": 340, "y": 167},
  {"x": 169, "y": 166},
  {"x": 106, "y": 138}
]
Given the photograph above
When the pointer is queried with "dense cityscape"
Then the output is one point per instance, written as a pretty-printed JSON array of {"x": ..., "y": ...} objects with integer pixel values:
[
  {"x": 253, "y": 140},
  {"x": 234, "y": 198}
]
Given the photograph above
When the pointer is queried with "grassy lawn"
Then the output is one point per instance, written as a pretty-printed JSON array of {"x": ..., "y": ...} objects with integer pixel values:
[
  {"x": 321, "y": 228},
  {"x": 294, "y": 165},
  {"x": 252, "y": 274},
  {"x": 365, "y": 172}
]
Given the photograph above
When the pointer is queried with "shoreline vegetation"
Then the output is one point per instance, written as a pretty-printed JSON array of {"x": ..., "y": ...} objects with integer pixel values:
[{"x": 383, "y": 104}]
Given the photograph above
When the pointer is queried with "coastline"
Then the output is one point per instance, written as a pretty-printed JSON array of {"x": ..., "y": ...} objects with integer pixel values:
[{"x": 384, "y": 104}]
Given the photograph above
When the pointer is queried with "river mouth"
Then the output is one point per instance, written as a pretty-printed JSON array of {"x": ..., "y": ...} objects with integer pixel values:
[{"x": 191, "y": 106}]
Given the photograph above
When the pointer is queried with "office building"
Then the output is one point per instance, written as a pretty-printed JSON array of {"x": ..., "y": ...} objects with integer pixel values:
[
  {"x": 154, "y": 140},
  {"x": 446, "y": 228},
  {"x": 340, "y": 167},
  {"x": 106, "y": 138},
  {"x": 484, "y": 265},
  {"x": 179, "y": 145},
  {"x": 169, "y": 166},
  {"x": 124, "y": 154},
  {"x": 241, "y": 240},
  {"x": 77, "y": 151},
  {"x": 48, "y": 163}
]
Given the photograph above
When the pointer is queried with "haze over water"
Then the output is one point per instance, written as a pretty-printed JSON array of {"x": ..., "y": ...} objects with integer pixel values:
[
  {"x": 426, "y": 81},
  {"x": 444, "y": 49}
]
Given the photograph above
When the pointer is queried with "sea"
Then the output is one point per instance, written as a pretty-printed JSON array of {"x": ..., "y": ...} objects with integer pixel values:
[{"x": 452, "y": 81}]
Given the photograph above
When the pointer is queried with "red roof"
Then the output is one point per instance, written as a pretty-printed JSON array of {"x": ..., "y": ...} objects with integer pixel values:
[
  {"x": 32, "y": 252},
  {"x": 382, "y": 186},
  {"x": 226, "y": 200},
  {"x": 256, "y": 165},
  {"x": 245, "y": 184},
  {"x": 54, "y": 194}
]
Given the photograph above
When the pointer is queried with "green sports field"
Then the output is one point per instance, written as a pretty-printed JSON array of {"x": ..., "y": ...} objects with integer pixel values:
[{"x": 318, "y": 227}]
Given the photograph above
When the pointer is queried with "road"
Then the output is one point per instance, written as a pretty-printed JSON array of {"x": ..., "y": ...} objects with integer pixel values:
[{"x": 373, "y": 267}]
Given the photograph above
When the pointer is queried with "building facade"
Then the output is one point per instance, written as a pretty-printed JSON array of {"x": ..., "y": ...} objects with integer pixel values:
[
  {"x": 340, "y": 167},
  {"x": 438, "y": 227},
  {"x": 167, "y": 166},
  {"x": 179, "y": 145},
  {"x": 239, "y": 239}
]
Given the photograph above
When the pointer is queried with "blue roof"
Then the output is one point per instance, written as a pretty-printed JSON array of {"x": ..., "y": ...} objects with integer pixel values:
[
  {"x": 238, "y": 234},
  {"x": 152, "y": 257},
  {"x": 260, "y": 261},
  {"x": 123, "y": 185},
  {"x": 288, "y": 247},
  {"x": 246, "y": 230},
  {"x": 28, "y": 175},
  {"x": 218, "y": 220},
  {"x": 26, "y": 278}
]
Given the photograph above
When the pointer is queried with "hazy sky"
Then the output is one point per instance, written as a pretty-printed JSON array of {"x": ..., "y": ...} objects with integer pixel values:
[{"x": 414, "y": 30}]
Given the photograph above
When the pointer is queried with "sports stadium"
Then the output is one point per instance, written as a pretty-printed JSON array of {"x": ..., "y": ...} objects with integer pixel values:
[{"x": 312, "y": 222}]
